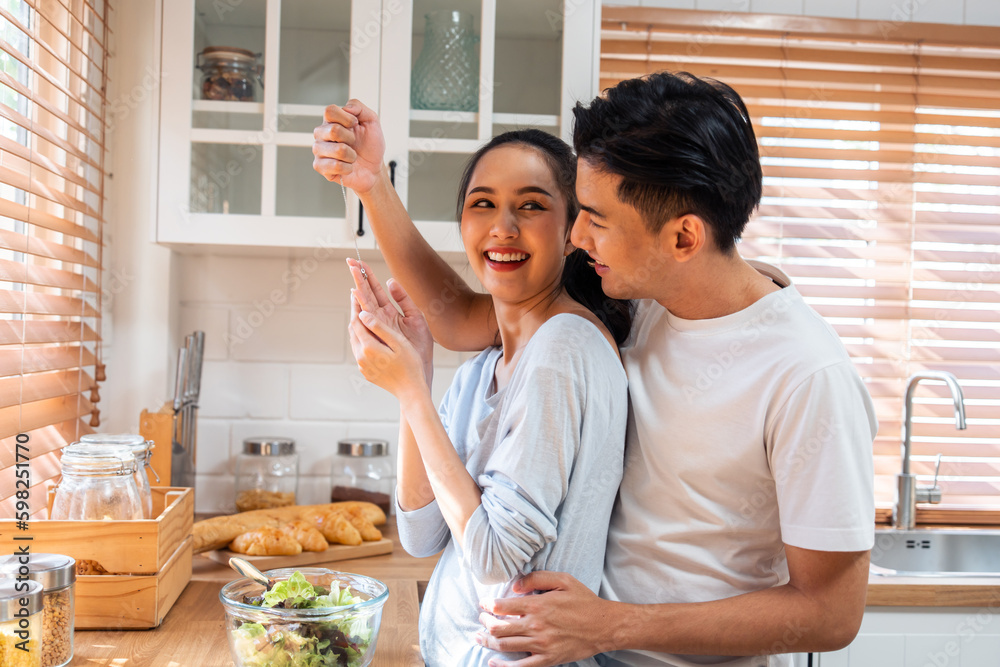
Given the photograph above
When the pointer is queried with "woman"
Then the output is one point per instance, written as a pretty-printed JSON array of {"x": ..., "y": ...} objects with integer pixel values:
[{"x": 519, "y": 468}]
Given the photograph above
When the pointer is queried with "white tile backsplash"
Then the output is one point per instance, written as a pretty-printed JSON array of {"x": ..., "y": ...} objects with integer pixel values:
[
  {"x": 213, "y": 320},
  {"x": 286, "y": 334},
  {"x": 338, "y": 392},
  {"x": 244, "y": 390},
  {"x": 885, "y": 10},
  {"x": 233, "y": 279},
  {"x": 214, "y": 453}
]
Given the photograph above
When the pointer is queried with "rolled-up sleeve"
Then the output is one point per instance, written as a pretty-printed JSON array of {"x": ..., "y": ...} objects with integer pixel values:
[
  {"x": 526, "y": 478},
  {"x": 422, "y": 532}
]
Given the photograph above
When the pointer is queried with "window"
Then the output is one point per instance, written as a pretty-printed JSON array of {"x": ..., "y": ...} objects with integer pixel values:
[
  {"x": 880, "y": 143},
  {"x": 53, "y": 70}
]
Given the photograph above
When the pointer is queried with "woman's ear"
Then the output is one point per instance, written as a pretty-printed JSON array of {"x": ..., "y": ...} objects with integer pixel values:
[{"x": 568, "y": 250}]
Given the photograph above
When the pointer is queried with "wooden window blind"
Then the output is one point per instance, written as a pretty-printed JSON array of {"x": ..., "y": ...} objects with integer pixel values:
[
  {"x": 880, "y": 144},
  {"x": 53, "y": 71}
]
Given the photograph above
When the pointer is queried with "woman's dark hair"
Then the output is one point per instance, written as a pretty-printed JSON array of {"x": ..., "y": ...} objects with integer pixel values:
[
  {"x": 578, "y": 279},
  {"x": 681, "y": 145}
]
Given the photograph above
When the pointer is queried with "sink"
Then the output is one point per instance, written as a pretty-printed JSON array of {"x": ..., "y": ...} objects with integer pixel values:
[{"x": 930, "y": 552}]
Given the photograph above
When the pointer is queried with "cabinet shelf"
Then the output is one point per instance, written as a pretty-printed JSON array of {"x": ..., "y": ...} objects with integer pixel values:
[
  {"x": 472, "y": 118},
  {"x": 218, "y": 106}
]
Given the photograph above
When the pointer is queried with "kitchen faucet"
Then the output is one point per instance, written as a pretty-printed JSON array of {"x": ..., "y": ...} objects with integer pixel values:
[{"x": 908, "y": 494}]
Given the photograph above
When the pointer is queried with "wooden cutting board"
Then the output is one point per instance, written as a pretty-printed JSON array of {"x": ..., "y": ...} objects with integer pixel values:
[{"x": 334, "y": 553}]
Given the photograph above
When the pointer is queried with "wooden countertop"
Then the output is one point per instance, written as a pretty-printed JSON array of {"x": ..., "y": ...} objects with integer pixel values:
[{"x": 193, "y": 633}]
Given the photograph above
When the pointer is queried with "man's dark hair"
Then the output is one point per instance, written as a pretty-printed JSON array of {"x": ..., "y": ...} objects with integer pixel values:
[
  {"x": 579, "y": 280},
  {"x": 681, "y": 144}
]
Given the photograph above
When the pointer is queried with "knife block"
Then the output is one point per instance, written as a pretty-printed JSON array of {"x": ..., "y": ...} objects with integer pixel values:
[{"x": 159, "y": 427}]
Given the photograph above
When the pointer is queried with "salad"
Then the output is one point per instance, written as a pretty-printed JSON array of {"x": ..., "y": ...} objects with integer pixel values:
[{"x": 300, "y": 642}]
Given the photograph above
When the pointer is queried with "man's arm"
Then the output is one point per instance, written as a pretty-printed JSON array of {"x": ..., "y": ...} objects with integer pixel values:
[
  {"x": 349, "y": 148},
  {"x": 819, "y": 609}
]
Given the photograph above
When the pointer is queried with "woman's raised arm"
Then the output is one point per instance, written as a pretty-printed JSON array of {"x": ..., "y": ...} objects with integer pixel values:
[{"x": 349, "y": 148}]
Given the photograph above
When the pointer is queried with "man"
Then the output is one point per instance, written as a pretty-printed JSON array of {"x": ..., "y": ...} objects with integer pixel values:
[{"x": 746, "y": 515}]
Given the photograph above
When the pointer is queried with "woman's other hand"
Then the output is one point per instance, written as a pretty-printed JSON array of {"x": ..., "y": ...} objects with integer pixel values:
[
  {"x": 348, "y": 147},
  {"x": 394, "y": 350}
]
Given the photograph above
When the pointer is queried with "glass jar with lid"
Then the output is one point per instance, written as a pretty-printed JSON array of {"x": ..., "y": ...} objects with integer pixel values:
[
  {"x": 97, "y": 483},
  {"x": 57, "y": 575},
  {"x": 229, "y": 74},
  {"x": 142, "y": 449},
  {"x": 20, "y": 623},
  {"x": 267, "y": 473},
  {"x": 362, "y": 470}
]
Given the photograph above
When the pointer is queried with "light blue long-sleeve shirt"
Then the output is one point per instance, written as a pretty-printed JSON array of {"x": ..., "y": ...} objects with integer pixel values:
[{"x": 547, "y": 452}]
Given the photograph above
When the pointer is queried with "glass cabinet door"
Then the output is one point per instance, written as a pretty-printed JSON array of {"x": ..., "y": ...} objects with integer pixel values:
[
  {"x": 526, "y": 75},
  {"x": 243, "y": 88}
]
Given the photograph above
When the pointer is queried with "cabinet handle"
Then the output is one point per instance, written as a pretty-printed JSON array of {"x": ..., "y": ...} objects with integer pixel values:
[
  {"x": 361, "y": 219},
  {"x": 392, "y": 172}
]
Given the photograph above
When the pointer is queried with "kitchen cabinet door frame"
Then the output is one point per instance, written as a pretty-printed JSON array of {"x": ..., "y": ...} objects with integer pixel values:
[{"x": 177, "y": 225}]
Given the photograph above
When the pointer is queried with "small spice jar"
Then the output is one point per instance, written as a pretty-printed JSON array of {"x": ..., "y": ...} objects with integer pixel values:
[
  {"x": 20, "y": 623},
  {"x": 57, "y": 575},
  {"x": 362, "y": 471},
  {"x": 142, "y": 451},
  {"x": 229, "y": 74},
  {"x": 267, "y": 474},
  {"x": 97, "y": 484}
]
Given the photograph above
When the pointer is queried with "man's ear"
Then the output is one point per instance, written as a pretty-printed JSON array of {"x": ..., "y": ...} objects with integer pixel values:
[{"x": 684, "y": 237}]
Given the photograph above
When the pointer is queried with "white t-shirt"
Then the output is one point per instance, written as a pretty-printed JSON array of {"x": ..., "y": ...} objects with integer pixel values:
[{"x": 746, "y": 432}]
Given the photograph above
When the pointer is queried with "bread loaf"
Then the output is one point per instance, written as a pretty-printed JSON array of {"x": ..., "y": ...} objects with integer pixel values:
[
  {"x": 217, "y": 532},
  {"x": 266, "y": 542}
]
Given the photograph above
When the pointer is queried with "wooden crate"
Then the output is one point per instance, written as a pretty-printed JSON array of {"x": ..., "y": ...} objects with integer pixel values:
[
  {"x": 120, "y": 547},
  {"x": 148, "y": 561},
  {"x": 128, "y": 602}
]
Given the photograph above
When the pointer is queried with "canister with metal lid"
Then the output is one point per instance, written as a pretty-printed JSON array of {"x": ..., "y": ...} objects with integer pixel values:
[
  {"x": 229, "y": 74},
  {"x": 20, "y": 623},
  {"x": 57, "y": 575},
  {"x": 362, "y": 470},
  {"x": 267, "y": 473}
]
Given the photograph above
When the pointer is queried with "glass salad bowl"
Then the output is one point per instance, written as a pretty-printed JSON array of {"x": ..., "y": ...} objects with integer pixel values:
[{"x": 312, "y": 616}]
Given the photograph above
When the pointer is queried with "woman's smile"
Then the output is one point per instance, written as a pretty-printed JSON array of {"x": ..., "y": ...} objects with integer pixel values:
[{"x": 505, "y": 259}]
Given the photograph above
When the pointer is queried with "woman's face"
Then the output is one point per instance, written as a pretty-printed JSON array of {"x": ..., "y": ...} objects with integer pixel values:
[{"x": 514, "y": 224}]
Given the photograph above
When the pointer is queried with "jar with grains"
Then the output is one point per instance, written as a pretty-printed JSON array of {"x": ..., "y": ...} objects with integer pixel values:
[
  {"x": 267, "y": 474},
  {"x": 362, "y": 470},
  {"x": 97, "y": 484},
  {"x": 20, "y": 623},
  {"x": 142, "y": 450},
  {"x": 57, "y": 575},
  {"x": 229, "y": 74}
]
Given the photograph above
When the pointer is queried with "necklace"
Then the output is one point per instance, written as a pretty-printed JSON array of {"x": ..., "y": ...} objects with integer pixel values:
[{"x": 343, "y": 191}]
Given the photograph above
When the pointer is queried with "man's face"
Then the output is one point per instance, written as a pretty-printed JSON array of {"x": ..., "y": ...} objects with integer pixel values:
[{"x": 626, "y": 255}]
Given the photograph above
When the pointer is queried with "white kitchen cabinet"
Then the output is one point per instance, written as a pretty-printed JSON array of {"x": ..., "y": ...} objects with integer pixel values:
[
  {"x": 240, "y": 173},
  {"x": 922, "y": 637},
  {"x": 538, "y": 58}
]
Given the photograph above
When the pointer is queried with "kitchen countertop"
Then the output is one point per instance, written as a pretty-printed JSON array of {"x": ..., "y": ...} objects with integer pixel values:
[{"x": 193, "y": 633}]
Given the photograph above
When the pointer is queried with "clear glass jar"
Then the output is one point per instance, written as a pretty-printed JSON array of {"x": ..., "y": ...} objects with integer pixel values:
[
  {"x": 57, "y": 575},
  {"x": 229, "y": 74},
  {"x": 97, "y": 483},
  {"x": 362, "y": 470},
  {"x": 267, "y": 474},
  {"x": 20, "y": 623},
  {"x": 142, "y": 450}
]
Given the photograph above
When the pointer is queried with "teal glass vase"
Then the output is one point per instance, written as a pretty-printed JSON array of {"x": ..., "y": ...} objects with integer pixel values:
[{"x": 446, "y": 74}]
